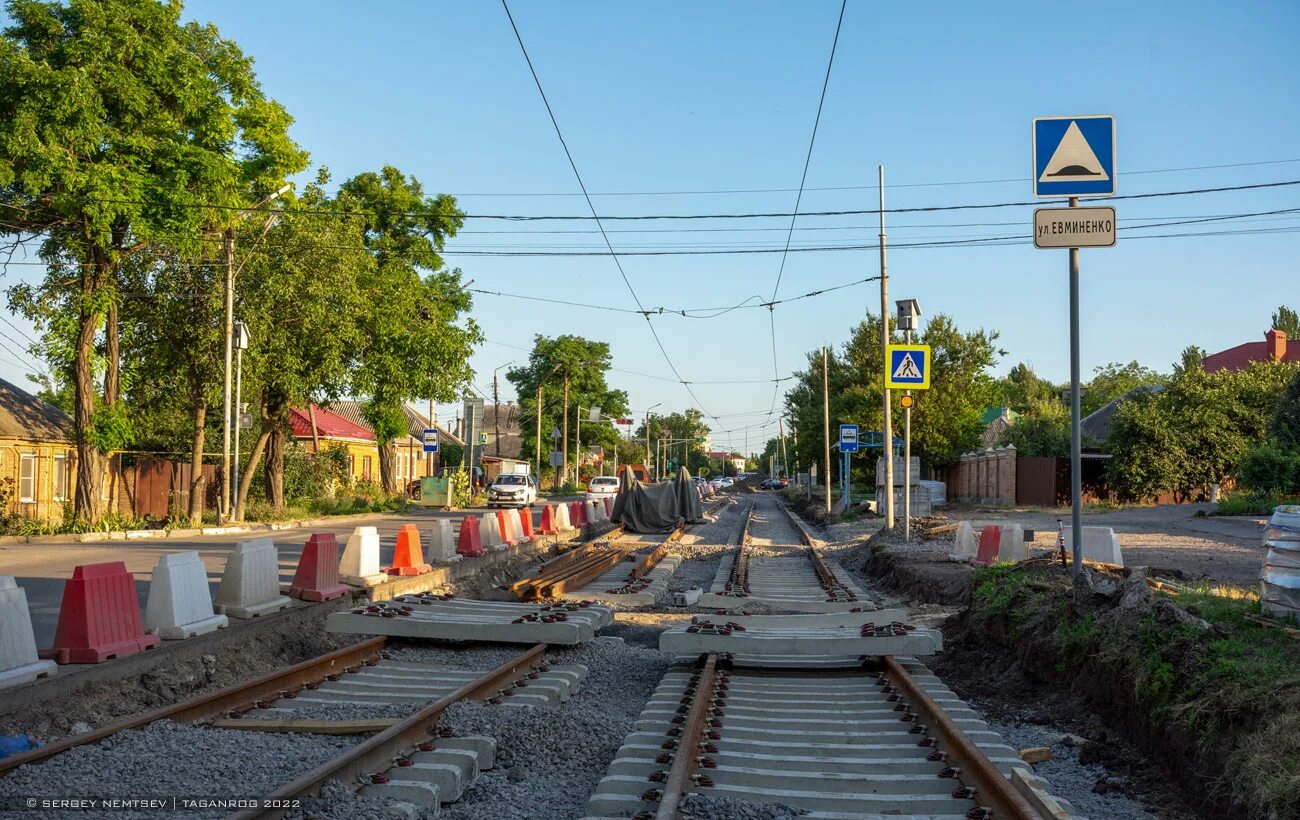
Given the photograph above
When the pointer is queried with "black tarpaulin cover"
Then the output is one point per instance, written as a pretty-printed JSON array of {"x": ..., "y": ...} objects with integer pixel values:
[{"x": 657, "y": 507}]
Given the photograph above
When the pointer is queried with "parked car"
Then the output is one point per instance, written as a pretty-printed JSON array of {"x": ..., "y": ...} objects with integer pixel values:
[
  {"x": 601, "y": 487},
  {"x": 770, "y": 484},
  {"x": 512, "y": 490}
]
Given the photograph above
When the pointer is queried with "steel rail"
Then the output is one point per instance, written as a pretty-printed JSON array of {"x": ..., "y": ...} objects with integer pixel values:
[
  {"x": 233, "y": 698},
  {"x": 686, "y": 756},
  {"x": 376, "y": 754},
  {"x": 975, "y": 770},
  {"x": 581, "y": 576},
  {"x": 555, "y": 567}
]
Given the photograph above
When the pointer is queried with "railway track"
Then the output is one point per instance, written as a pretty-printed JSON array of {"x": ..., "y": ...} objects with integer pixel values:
[
  {"x": 406, "y": 758},
  {"x": 885, "y": 740},
  {"x": 788, "y": 572}
]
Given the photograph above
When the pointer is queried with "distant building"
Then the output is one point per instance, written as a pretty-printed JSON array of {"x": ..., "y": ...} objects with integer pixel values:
[
  {"x": 505, "y": 420},
  {"x": 343, "y": 423},
  {"x": 37, "y": 454},
  {"x": 1273, "y": 349},
  {"x": 1096, "y": 425},
  {"x": 996, "y": 420},
  {"x": 722, "y": 455}
]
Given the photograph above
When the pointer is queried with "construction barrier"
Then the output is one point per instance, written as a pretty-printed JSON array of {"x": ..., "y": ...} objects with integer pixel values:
[
  {"x": 468, "y": 540},
  {"x": 360, "y": 564},
  {"x": 965, "y": 544},
  {"x": 18, "y": 660},
  {"x": 549, "y": 525},
  {"x": 180, "y": 605},
  {"x": 99, "y": 617},
  {"x": 990, "y": 542},
  {"x": 250, "y": 586},
  {"x": 562, "y": 522},
  {"x": 1011, "y": 545},
  {"x": 578, "y": 514},
  {"x": 526, "y": 523},
  {"x": 489, "y": 531},
  {"x": 609, "y": 507},
  {"x": 1100, "y": 544},
  {"x": 503, "y": 526},
  {"x": 317, "y": 576},
  {"x": 408, "y": 558},
  {"x": 442, "y": 543}
]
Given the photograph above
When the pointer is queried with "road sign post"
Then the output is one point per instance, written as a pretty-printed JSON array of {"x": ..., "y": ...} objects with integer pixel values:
[
  {"x": 1074, "y": 157},
  {"x": 907, "y": 367},
  {"x": 848, "y": 445},
  {"x": 430, "y": 440}
]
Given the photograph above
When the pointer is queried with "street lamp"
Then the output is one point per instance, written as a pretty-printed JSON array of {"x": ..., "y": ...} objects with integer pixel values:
[
  {"x": 647, "y": 430},
  {"x": 227, "y": 489},
  {"x": 241, "y": 340}
]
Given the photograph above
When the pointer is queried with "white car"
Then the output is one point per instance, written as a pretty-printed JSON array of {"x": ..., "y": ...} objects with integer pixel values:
[
  {"x": 512, "y": 490},
  {"x": 601, "y": 487}
]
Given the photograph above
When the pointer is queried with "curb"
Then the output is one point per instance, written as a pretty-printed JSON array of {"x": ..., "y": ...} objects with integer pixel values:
[{"x": 187, "y": 532}]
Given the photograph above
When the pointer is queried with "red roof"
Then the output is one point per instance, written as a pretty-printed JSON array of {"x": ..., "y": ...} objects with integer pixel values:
[
  {"x": 328, "y": 425},
  {"x": 1243, "y": 355}
]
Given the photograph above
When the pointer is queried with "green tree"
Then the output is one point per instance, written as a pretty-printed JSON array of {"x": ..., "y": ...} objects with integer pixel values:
[
  {"x": 1286, "y": 320},
  {"x": 1285, "y": 427},
  {"x": 122, "y": 129},
  {"x": 1113, "y": 380},
  {"x": 1022, "y": 388},
  {"x": 566, "y": 366},
  {"x": 1043, "y": 430},
  {"x": 415, "y": 343},
  {"x": 1147, "y": 455},
  {"x": 298, "y": 285}
]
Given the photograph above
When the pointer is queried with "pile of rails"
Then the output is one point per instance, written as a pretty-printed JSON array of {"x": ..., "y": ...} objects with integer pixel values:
[
  {"x": 573, "y": 569},
  {"x": 608, "y": 572}
]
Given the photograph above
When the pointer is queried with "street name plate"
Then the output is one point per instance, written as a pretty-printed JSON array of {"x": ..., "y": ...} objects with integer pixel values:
[{"x": 1074, "y": 227}]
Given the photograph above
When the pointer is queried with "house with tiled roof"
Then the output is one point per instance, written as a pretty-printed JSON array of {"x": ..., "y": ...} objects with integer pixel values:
[
  {"x": 342, "y": 423},
  {"x": 1274, "y": 348},
  {"x": 37, "y": 456}
]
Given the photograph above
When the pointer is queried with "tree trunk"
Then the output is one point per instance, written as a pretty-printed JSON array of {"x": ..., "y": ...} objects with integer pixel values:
[
  {"x": 388, "y": 467},
  {"x": 86, "y": 503},
  {"x": 275, "y": 466},
  {"x": 246, "y": 480},
  {"x": 196, "y": 462}
]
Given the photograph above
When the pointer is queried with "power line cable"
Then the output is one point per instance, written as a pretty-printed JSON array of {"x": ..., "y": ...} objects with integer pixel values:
[{"x": 591, "y": 205}]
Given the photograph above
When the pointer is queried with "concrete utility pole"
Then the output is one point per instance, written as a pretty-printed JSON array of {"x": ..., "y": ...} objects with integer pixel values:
[
  {"x": 826, "y": 422},
  {"x": 888, "y": 442},
  {"x": 1076, "y": 437},
  {"x": 780, "y": 427},
  {"x": 564, "y": 434},
  {"x": 537, "y": 410},
  {"x": 226, "y": 476}
]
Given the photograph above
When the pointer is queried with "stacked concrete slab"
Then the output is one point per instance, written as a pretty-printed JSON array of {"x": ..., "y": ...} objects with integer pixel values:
[
  {"x": 1279, "y": 578},
  {"x": 451, "y": 619}
]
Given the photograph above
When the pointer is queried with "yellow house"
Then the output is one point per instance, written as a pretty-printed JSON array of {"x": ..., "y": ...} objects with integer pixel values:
[
  {"x": 37, "y": 456},
  {"x": 342, "y": 424}
]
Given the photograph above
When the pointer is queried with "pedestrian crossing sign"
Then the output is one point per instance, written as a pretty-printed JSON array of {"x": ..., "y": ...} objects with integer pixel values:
[{"x": 908, "y": 367}]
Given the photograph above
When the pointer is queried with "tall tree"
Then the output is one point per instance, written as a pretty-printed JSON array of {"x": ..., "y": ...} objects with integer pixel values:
[
  {"x": 1288, "y": 321},
  {"x": 1022, "y": 388},
  {"x": 1113, "y": 380},
  {"x": 413, "y": 342},
  {"x": 581, "y": 364},
  {"x": 121, "y": 129}
]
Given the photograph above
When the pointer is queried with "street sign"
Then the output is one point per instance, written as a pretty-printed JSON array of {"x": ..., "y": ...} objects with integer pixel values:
[
  {"x": 1074, "y": 227},
  {"x": 848, "y": 438},
  {"x": 482, "y": 438},
  {"x": 908, "y": 367},
  {"x": 557, "y": 458},
  {"x": 593, "y": 414},
  {"x": 1074, "y": 156},
  {"x": 430, "y": 440},
  {"x": 246, "y": 421},
  {"x": 555, "y": 433}
]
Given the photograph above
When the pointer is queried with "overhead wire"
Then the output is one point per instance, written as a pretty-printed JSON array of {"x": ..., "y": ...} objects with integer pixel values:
[{"x": 592, "y": 206}]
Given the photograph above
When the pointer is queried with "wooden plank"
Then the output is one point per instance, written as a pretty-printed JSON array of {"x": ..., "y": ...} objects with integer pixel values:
[
  {"x": 315, "y": 727},
  {"x": 939, "y": 530},
  {"x": 1263, "y": 621}
]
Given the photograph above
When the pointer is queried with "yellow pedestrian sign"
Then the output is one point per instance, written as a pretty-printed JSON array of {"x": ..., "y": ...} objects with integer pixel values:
[{"x": 908, "y": 367}]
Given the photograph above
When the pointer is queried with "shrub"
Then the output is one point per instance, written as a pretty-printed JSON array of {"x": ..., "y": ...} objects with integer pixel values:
[{"x": 1270, "y": 468}]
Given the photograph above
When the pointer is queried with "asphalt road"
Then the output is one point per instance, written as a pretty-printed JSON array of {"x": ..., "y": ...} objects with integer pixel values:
[{"x": 41, "y": 569}]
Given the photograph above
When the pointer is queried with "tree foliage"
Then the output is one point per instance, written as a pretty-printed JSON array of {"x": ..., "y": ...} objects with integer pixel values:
[
  {"x": 1042, "y": 430},
  {"x": 1286, "y": 320},
  {"x": 1022, "y": 388},
  {"x": 1113, "y": 380}
]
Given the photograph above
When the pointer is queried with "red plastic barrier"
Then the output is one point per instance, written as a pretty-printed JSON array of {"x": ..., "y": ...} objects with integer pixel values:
[
  {"x": 990, "y": 538},
  {"x": 503, "y": 525},
  {"x": 609, "y": 506},
  {"x": 578, "y": 514},
  {"x": 547, "y": 526},
  {"x": 408, "y": 558},
  {"x": 317, "y": 576},
  {"x": 468, "y": 542},
  {"x": 526, "y": 522},
  {"x": 100, "y": 617}
]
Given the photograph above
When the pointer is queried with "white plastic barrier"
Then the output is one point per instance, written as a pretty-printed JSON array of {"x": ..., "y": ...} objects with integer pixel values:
[
  {"x": 1100, "y": 544},
  {"x": 489, "y": 532},
  {"x": 1011, "y": 546},
  {"x": 18, "y": 661},
  {"x": 516, "y": 529},
  {"x": 360, "y": 563},
  {"x": 965, "y": 543},
  {"x": 442, "y": 543},
  {"x": 180, "y": 605},
  {"x": 250, "y": 585},
  {"x": 562, "y": 521},
  {"x": 1279, "y": 583}
]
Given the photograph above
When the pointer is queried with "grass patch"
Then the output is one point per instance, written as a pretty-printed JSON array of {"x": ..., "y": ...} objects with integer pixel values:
[{"x": 1244, "y": 503}]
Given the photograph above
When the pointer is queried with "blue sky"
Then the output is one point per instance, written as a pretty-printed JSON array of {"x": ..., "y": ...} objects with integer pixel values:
[{"x": 688, "y": 96}]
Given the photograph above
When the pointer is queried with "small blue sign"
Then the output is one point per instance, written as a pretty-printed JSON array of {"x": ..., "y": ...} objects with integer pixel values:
[
  {"x": 848, "y": 438},
  {"x": 1074, "y": 156},
  {"x": 430, "y": 440}
]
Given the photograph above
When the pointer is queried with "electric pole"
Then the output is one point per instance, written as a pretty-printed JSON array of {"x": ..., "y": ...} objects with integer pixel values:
[
  {"x": 565, "y": 432},
  {"x": 538, "y": 412},
  {"x": 496, "y": 413},
  {"x": 226, "y": 476},
  {"x": 888, "y": 443},
  {"x": 826, "y": 422}
]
